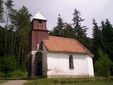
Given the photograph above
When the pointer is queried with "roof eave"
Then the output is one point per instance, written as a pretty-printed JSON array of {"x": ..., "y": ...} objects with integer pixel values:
[{"x": 91, "y": 55}]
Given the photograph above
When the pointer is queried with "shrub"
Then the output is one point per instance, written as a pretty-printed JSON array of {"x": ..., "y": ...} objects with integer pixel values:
[
  {"x": 8, "y": 68},
  {"x": 14, "y": 74},
  {"x": 8, "y": 64},
  {"x": 102, "y": 66},
  {"x": 1, "y": 75},
  {"x": 18, "y": 74}
]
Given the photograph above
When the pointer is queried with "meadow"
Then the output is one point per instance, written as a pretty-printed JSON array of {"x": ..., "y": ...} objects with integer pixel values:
[{"x": 69, "y": 81}]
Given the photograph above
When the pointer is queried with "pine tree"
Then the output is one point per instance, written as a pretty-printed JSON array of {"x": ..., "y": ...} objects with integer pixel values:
[
  {"x": 58, "y": 30},
  {"x": 2, "y": 41},
  {"x": 97, "y": 41},
  {"x": 80, "y": 31},
  {"x": 107, "y": 38},
  {"x": 103, "y": 39},
  {"x": 103, "y": 64},
  {"x": 68, "y": 31}
]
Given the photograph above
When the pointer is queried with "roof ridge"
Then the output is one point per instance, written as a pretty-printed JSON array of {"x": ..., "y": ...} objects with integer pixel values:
[{"x": 62, "y": 37}]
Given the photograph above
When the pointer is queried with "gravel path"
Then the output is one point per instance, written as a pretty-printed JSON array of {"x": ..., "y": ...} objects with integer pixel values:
[{"x": 14, "y": 82}]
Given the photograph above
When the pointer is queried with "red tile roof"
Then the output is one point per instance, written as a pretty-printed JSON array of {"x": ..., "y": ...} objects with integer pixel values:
[{"x": 60, "y": 44}]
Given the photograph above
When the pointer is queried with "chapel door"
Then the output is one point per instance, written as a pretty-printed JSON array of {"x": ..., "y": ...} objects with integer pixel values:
[{"x": 38, "y": 64}]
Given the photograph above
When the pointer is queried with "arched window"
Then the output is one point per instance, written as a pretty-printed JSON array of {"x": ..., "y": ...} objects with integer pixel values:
[{"x": 71, "y": 65}]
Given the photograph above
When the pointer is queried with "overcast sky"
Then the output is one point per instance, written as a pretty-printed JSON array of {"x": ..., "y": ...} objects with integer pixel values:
[{"x": 98, "y": 9}]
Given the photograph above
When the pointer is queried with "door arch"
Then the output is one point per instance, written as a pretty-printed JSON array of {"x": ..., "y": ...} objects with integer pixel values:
[{"x": 38, "y": 64}]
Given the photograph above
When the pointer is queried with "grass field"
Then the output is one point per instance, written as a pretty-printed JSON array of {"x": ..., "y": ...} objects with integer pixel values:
[
  {"x": 2, "y": 81},
  {"x": 65, "y": 81}
]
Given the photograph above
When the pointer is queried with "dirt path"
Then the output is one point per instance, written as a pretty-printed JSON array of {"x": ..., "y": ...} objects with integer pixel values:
[{"x": 14, "y": 82}]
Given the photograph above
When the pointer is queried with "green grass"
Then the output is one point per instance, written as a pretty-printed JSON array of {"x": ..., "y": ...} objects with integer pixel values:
[
  {"x": 2, "y": 81},
  {"x": 67, "y": 81},
  {"x": 17, "y": 74}
]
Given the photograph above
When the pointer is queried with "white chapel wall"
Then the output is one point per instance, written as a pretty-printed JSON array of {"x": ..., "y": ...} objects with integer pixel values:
[
  {"x": 58, "y": 64},
  {"x": 90, "y": 66},
  {"x": 44, "y": 65}
]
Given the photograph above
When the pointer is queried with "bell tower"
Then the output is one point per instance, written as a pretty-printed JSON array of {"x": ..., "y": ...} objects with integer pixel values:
[
  {"x": 37, "y": 34},
  {"x": 39, "y": 22}
]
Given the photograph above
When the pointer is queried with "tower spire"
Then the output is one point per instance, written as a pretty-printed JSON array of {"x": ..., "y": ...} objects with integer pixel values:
[{"x": 39, "y": 16}]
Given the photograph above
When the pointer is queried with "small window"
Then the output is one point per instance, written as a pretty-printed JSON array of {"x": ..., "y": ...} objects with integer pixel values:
[
  {"x": 40, "y": 21},
  {"x": 71, "y": 65}
]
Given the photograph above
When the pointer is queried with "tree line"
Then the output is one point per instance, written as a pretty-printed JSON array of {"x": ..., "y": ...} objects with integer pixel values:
[
  {"x": 14, "y": 38},
  {"x": 101, "y": 45}
]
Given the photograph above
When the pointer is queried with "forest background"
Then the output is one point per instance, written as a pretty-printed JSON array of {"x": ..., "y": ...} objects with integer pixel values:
[{"x": 14, "y": 45}]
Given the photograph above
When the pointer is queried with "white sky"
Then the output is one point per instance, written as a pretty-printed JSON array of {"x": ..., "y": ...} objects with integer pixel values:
[{"x": 98, "y": 9}]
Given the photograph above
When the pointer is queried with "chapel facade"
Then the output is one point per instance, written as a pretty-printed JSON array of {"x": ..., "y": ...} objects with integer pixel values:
[{"x": 52, "y": 56}]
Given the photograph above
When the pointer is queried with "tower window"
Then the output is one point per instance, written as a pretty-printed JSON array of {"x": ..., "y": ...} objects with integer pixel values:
[
  {"x": 40, "y": 21},
  {"x": 71, "y": 65}
]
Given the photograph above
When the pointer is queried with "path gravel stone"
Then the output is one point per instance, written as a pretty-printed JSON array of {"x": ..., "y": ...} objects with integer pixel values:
[{"x": 14, "y": 82}]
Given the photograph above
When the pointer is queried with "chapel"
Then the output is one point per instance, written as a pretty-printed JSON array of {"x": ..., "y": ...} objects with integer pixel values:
[{"x": 52, "y": 56}]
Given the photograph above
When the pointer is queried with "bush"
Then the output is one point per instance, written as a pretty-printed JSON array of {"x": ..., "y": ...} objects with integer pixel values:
[
  {"x": 102, "y": 66},
  {"x": 8, "y": 64},
  {"x": 1, "y": 75},
  {"x": 14, "y": 74},
  {"x": 18, "y": 74},
  {"x": 8, "y": 68}
]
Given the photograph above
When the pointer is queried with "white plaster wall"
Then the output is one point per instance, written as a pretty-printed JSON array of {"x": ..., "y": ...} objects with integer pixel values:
[
  {"x": 58, "y": 64},
  {"x": 44, "y": 64},
  {"x": 32, "y": 74},
  {"x": 90, "y": 66}
]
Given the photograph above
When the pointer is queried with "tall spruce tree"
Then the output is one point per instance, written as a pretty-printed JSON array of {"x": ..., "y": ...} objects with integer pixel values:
[
  {"x": 107, "y": 34},
  {"x": 2, "y": 34},
  {"x": 107, "y": 38},
  {"x": 97, "y": 41},
  {"x": 63, "y": 29},
  {"x": 80, "y": 31},
  {"x": 103, "y": 39},
  {"x": 68, "y": 31},
  {"x": 58, "y": 30}
]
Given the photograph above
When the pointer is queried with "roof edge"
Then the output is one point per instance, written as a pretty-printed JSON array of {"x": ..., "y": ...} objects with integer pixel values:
[
  {"x": 39, "y": 16},
  {"x": 88, "y": 52}
]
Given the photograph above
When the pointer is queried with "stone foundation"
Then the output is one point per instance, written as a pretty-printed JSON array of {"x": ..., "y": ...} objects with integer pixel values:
[{"x": 68, "y": 76}]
